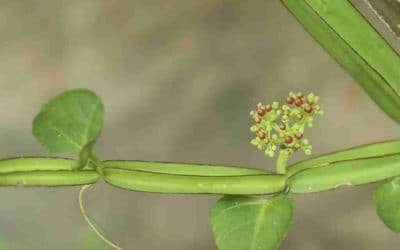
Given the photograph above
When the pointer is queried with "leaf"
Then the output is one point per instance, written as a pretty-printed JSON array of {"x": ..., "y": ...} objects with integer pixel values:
[
  {"x": 387, "y": 201},
  {"x": 348, "y": 37},
  {"x": 70, "y": 121},
  {"x": 244, "y": 223}
]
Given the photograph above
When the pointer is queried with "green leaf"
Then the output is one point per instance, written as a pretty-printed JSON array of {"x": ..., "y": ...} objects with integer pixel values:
[
  {"x": 348, "y": 37},
  {"x": 387, "y": 201},
  {"x": 70, "y": 121},
  {"x": 244, "y": 223}
]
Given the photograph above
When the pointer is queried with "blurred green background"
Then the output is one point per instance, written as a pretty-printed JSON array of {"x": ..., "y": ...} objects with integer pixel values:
[{"x": 178, "y": 79}]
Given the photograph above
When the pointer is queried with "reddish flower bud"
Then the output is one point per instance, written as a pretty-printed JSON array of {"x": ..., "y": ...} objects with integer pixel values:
[
  {"x": 308, "y": 109},
  {"x": 299, "y": 136},
  {"x": 288, "y": 139},
  {"x": 261, "y": 111},
  {"x": 298, "y": 102},
  {"x": 282, "y": 126},
  {"x": 261, "y": 135},
  {"x": 268, "y": 108},
  {"x": 290, "y": 100}
]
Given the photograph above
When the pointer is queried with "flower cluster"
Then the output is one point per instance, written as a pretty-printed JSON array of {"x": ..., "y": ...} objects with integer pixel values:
[{"x": 283, "y": 127}]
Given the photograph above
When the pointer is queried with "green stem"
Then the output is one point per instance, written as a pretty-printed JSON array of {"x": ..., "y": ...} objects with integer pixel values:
[
  {"x": 35, "y": 163},
  {"x": 182, "y": 168},
  {"x": 379, "y": 149},
  {"x": 194, "y": 184},
  {"x": 49, "y": 178},
  {"x": 353, "y": 167},
  {"x": 345, "y": 173},
  {"x": 37, "y": 171},
  {"x": 282, "y": 161},
  {"x": 97, "y": 163}
]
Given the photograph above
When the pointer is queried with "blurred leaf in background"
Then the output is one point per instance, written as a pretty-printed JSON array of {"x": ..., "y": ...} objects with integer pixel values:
[
  {"x": 5, "y": 244},
  {"x": 88, "y": 240}
]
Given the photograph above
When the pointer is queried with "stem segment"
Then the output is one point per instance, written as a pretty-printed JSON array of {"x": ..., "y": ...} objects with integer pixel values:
[
  {"x": 282, "y": 161},
  {"x": 190, "y": 184},
  {"x": 362, "y": 165}
]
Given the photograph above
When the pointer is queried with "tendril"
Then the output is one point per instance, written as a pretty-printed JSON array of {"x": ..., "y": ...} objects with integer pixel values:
[{"x": 91, "y": 224}]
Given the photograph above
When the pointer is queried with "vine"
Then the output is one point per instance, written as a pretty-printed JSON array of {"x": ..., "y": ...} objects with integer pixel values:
[{"x": 72, "y": 121}]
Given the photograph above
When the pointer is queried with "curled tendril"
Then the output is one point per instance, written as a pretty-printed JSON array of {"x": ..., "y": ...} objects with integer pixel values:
[{"x": 283, "y": 127}]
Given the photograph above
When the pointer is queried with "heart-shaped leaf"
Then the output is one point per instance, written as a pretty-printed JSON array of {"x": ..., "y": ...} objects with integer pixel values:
[
  {"x": 244, "y": 223},
  {"x": 387, "y": 201},
  {"x": 70, "y": 121}
]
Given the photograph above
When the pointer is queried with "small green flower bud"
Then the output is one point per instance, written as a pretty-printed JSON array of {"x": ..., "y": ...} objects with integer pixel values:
[
  {"x": 288, "y": 151},
  {"x": 271, "y": 154},
  {"x": 254, "y": 128}
]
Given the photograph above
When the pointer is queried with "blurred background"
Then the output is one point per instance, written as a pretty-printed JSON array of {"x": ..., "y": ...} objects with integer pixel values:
[{"x": 178, "y": 79}]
